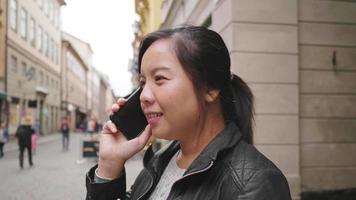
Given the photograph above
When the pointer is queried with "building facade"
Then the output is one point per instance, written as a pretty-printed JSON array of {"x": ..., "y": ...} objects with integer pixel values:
[
  {"x": 33, "y": 63},
  {"x": 95, "y": 91},
  {"x": 106, "y": 99},
  {"x": 298, "y": 57},
  {"x": 74, "y": 76},
  {"x": 3, "y": 30}
]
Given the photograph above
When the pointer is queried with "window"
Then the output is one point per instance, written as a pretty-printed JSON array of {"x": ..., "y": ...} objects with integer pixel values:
[
  {"x": 56, "y": 54},
  {"x": 33, "y": 75},
  {"x": 41, "y": 77},
  {"x": 45, "y": 44},
  {"x": 47, "y": 81},
  {"x": 39, "y": 38},
  {"x": 45, "y": 7},
  {"x": 50, "y": 10},
  {"x": 52, "y": 83},
  {"x": 32, "y": 32},
  {"x": 24, "y": 68},
  {"x": 40, "y": 3},
  {"x": 23, "y": 23},
  {"x": 75, "y": 66},
  {"x": 55, "y": 16},
  {"x": 52, "y": 50},
  {"x": 13, "y": 64},
  {"x": 13, "y": 14}
]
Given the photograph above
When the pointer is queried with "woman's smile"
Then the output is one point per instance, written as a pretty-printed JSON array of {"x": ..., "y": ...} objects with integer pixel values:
[{"x": 153, "y": 117}]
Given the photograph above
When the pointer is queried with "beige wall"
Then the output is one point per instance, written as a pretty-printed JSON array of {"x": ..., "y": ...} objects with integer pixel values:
[
  {"x": 74, "y": 88},
  {"x": 39, "y": 80},
  {"x": 263, "y": 41},
  {"x": 262, "y": 38},
  {"x": 3, "y": 24},
  {"x": 305, "y": 104},
  {"x": 95, "y": 93},
  {"x": 33, "y": 10},
  {"x": 103, "y": 116},
  {"x": 84, "y": 51},
  {"x": 328, "y": 94}
]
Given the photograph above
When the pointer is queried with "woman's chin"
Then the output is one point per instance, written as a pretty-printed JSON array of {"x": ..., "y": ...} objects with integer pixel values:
[{"x": 161, "y": 134}]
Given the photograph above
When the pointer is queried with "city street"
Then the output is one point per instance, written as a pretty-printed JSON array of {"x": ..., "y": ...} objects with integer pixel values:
[{"x": 55, "y": 174}]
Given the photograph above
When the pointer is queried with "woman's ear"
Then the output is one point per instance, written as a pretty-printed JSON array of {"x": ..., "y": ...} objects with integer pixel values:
[{"x": 211, "y": 95}]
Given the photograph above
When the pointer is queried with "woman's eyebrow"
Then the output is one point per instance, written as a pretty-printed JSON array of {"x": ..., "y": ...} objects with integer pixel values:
[
  {"x": 160, "y": 69},
  {"x": 155, "y": 70}
]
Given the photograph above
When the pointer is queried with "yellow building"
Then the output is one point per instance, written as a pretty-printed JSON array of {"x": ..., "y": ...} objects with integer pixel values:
[{"x": 149, "y": 12}]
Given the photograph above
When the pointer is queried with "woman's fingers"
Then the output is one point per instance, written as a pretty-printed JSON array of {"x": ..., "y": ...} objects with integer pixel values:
[
  {"x": 140, "y": 141},
  {"x": 121, "y": 101},
  {"x": 109, "y": 127},
  {"x": 115, "y": 107}
]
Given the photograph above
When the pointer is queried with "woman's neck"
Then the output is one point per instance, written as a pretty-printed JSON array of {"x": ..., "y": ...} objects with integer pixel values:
[{"x": 192, "y": 146}]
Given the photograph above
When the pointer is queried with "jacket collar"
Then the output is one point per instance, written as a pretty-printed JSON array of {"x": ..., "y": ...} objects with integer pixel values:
[{"x": 226, "y": 139}]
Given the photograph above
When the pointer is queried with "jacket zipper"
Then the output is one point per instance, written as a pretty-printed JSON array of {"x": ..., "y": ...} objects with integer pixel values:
[
  {"x": 194, "y": 173},
  {"x": 199, "y": 171}
]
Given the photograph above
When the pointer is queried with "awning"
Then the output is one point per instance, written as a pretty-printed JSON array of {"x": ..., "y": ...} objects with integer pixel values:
[{"x": 2, "y": 96}]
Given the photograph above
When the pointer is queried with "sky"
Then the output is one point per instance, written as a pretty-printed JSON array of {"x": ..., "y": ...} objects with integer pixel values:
[{"x": 107, "y": 26}]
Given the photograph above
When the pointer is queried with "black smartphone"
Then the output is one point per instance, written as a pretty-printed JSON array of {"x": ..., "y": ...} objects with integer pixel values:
[{"x": 130, "y": 119}]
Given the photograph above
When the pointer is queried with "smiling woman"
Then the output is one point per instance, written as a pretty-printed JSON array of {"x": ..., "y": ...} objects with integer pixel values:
[{"x": 190, "y": 97}]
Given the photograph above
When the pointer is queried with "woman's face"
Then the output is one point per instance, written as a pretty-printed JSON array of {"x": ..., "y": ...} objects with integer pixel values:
[{"x": 168, "y": 98}]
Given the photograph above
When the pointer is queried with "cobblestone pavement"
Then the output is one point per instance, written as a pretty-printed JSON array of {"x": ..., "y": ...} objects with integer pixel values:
[{"x": 55, "y": 174}]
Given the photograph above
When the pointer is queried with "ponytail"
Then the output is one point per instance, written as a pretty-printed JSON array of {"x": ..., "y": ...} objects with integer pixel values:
[{"x": 237, "y": 103}]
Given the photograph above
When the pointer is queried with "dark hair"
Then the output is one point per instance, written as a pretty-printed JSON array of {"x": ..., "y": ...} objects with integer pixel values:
[{"x": 206, "y": 59}]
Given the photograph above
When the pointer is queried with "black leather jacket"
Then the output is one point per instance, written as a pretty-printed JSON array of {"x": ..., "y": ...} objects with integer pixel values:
[{"x": 228, "y": 168}]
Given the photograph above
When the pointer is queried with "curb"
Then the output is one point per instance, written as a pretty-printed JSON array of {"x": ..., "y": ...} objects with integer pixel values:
[{"x": 13, "y": 146}]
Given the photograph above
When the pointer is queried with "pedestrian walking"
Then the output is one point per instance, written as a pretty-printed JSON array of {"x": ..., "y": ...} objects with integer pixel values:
[
  {"x": 65, "y": 130},
  {"x": 190, "y": 97},
  {"x": 4, "y": 137},
  {"x": 23, "y": 134}
]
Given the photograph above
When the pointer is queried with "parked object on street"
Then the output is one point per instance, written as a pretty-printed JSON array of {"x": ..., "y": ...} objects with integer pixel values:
[
  {"x": 23, "y": 134},
  {"x": 90, "y": 147}
]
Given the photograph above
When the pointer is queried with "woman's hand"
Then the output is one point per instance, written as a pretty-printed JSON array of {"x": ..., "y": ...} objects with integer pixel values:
[{"x": 115, "y": 149}]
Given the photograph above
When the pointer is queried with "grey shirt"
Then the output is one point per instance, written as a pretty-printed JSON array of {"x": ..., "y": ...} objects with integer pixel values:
[{"x": 170, "y": 175}]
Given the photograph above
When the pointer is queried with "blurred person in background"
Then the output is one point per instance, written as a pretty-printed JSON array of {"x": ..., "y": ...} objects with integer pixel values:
[
  {"x": 34, "y": 138},
  {"x": 4, "y": 137},
  {"x": 189, "y": 96},
  {"x": 65, "y": 130},
  {"x": 91, "y": 126},
  {"x": 23, "y": 134}
]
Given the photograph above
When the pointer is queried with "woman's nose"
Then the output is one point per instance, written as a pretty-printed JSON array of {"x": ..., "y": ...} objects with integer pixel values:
[{"x": 146, "y": 96}]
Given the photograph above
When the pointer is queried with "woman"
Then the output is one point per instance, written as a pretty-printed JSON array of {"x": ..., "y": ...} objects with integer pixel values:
[{"x": 190, "y": 97}]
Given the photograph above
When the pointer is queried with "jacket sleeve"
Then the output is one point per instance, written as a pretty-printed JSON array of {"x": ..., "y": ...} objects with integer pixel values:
[
  {"x": 266, "y": 185},
  {"x": 114, "y": 189}
]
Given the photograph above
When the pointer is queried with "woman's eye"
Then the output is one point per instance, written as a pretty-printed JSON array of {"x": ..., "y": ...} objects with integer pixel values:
[{"x": 159, "y": 78}]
